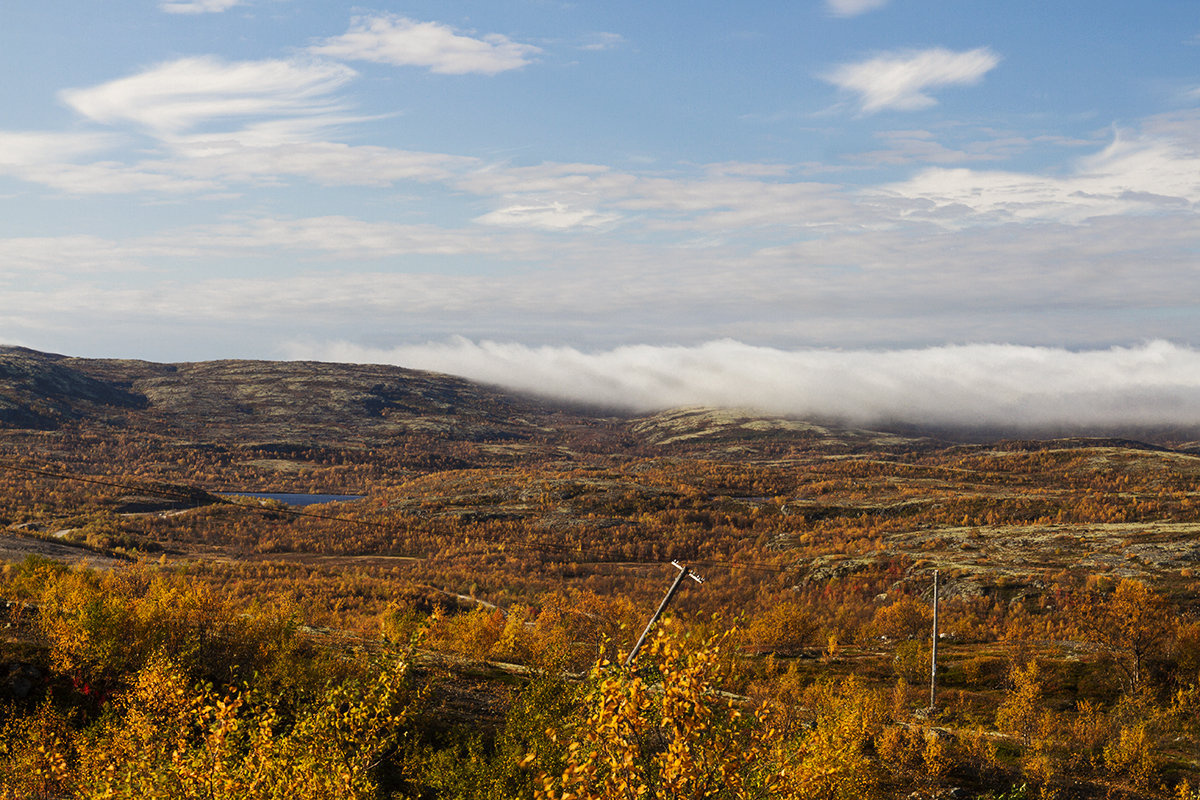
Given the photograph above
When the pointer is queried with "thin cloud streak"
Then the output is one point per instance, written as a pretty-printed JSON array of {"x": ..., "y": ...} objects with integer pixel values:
[
  {"x": 198, "y": 6},
  {"x": 852, "y": 8},
  {"x": 984, "y": 385},
  {"x": 25, "y": 148},
  {"x": 180, "y": 95},
  {"x": 546, "y": 216}
]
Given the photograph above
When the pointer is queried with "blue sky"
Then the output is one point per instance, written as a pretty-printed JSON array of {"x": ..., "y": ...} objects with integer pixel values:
[{"x": 193, "y": 179}]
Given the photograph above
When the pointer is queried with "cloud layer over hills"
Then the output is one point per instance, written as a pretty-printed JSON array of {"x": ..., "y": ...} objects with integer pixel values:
[{"x": 988, "y": 385}]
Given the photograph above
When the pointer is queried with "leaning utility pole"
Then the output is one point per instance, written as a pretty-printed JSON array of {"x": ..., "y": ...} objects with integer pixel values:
[
  {"x": 684, "y": 572},
  {"x": 933, "y": 647}
]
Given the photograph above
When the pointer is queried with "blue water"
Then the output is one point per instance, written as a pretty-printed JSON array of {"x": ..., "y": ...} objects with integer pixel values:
[{"x": 297, "y": 499}]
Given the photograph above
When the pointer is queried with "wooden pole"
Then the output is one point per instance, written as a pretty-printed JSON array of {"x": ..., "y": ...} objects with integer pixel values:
[
  {"x": 934, "y": 647},
  {"x": 684, "y": 572}
]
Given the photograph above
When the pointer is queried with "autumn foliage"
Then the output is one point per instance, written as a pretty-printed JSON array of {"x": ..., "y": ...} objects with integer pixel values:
[{"x": 458, "y": 632}]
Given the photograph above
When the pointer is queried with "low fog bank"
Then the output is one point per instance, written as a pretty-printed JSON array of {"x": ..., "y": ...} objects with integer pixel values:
[{"x": 983, "y": 386}]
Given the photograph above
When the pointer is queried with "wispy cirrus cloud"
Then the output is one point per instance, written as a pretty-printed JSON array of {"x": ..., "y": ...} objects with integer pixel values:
[
  {"x": 197, "y": 6},
  {"x": 923, "y": 147},
  {"x": 204, "y": 164},
  {"x": 217, "y": 123},
  {"x": 901, "y": 81},
  {"x": 553, "y": 216},
  {"x": 1137, "y": 173},
  {"x": 391, "y": 39},
  {"x": 307, "y": 239},
  {"x": 602, "y": 41},
  {"x": 63, "y": 161},
  {"x": 323, "y": 163},
  {"x": 31, "y": 148},
  {"x": 725, "y": 196},
  {"x": 112, "y": 178},
  {"x": 178, "y": 96},
  {"x": 340, "y": 238},
  {"x": 25, "y": 257},
  {"x": 852, "y": 8}
]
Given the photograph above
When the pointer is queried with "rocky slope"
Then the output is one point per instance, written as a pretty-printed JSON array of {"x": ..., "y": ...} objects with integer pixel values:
[
  {"x": 260, "y": 401},
  {"x": 41, "y": 390}
]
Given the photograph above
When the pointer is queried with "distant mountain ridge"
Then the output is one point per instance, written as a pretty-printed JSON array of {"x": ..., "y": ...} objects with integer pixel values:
[
  {"x": 265, "y": 400},
  {"x": 249, "y": 401}
]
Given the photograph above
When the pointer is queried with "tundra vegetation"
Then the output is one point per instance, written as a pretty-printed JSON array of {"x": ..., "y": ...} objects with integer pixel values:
[{"x": 460, "y": 631}]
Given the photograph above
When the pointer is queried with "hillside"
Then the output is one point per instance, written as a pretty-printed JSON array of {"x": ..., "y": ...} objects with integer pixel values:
[
  {"x": 257, "y": 400},
  {"x": 441, "y": 451},
  {"x": 40, "y": 390},
  {"x": 507, "y": 536}
]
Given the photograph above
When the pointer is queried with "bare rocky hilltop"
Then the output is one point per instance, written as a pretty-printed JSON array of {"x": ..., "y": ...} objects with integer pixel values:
[{"x": 235, "y": 400}]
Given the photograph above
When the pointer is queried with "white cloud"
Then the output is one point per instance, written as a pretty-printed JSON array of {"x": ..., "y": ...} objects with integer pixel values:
[
  {"x": 336, "y": 238},
  {"x": 261, "y": 135},
  {"x": 197, "y": 6},
  {"x": 341, "y": 238},
  {"x": 547, "y": 177},
  {"x": 390, "y": 39},
  {"x": 178, "y": 96},
  {"x": 1135, "y": 174},
  {"x": 729, "y": 203},
  {"x": 110, "y": 177},
  {"x": 603, "y": 41},
  {"x": 546, "y": 216},
  {"x": 318, "y": 299},
  {"x": 725, "y": 196},
  {"x": 49, "y": 158},
  {"x": 1115, "y": 279},
  {"x": 24, "y": 148},
  {"x": 265, "y": 153},
  {"x": 919, "y": 146},
  {"x": 225, "y": 159},
  {"x": 900, "y": 80},
  {"x": 40, "y": 256},
  {"x": 1030, "y": 387},
  {"x": 256, "y": 155},
  {"x": 852, "y": 8}
]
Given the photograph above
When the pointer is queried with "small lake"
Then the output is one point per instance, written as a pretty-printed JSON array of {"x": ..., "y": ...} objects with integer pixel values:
[{"x": 297, "y": 499}]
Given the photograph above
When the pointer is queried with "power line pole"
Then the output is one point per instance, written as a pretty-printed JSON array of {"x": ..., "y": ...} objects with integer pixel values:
[
  {"x": 684, "y": 572},
  {"x": 934, "y": 647}
]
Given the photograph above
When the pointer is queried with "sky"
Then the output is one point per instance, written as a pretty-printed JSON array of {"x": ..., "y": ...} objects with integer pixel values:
[{"x": 563, "y": 196}]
